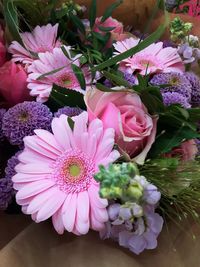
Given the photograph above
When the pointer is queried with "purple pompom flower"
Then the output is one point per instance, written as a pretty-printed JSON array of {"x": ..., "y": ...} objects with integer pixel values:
[
  {"x": 22, "y": 119},
  {"x": 69, "y": 111},
  {"x": 170, "y": 98},
  {"x": 195, "y": 83},
  {"x": 6, "y": 193},
  {"x": 177, "y": 83},
  {"x": 6, "y": 185},
  {"x": 2, "y": 112},
  {"x": 12, "y": 162}
]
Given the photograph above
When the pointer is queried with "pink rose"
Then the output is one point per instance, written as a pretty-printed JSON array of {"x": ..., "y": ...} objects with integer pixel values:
[
  {"x": 2, "y": 54},
  {"x": 109, "y": 22},
  {"x": 2, "y": 47},
  {"x": 135, "y": 128},
  {"x": 186, "y": 151},
  {"x": 13, "y": 85}
]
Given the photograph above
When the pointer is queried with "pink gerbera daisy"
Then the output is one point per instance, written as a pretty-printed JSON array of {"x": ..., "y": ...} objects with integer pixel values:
[
  {"x": 40, "y": 40},
  {"x": 152, "y": 59},
  {"x": 62, "y": 73},
  {"x": 55, "y": 174}
]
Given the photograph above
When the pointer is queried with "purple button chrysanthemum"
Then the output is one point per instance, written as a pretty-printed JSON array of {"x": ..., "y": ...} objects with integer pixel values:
[
  {"x": 6, "y": 193},
  {"x": 178, "y": 83},
  {"x": 6, "y": 185},
  {"x": 22, "y": 119},
  {"x": 170, "y": 98},
  {"x": 69, "y": 111},
  {"x": 12, "y": 162},
  {"x": 195, "y": 82},
  {"x": 2, "y": 112}
]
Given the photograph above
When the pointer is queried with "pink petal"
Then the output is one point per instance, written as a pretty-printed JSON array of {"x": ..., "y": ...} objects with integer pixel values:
[
  {"x": 51, "y": 206},
  {"x": 39, "y": 200},
  {"x": 34, "y": 188},
  {"x": 57, "y": 222},
  {"x": 69, "y": 214}
]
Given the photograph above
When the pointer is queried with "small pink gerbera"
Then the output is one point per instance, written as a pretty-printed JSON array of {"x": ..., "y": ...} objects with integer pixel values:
[
  {"x": 152, "y": 59},
  {"x": 40, "y": 40},
  {"x": 62, "y": 73},
  {"x": 55, "y": 174}
]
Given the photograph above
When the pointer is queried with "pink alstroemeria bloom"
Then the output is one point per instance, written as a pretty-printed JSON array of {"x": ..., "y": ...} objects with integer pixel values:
[
  {"x": 55, "y": 176},
  {"x": 40, "y": 40},
  {"x": 64, "y": 76},
  {"x": 152, "y": 59}
]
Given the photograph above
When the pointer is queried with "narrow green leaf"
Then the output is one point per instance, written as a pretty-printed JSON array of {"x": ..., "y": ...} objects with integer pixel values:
[
  {"x": 49, "y": 73},
  {"x": 79, "y": 75},
  {"x": 106, "y": 29},
  {"x": 100, "y": 37},
  {"x": 78, "y": 23},
  {"x": 116, "y": 79},
  {"x": 65, "y": 52},
  {"x": 104, "y": 88},
  {"x": 142, "y": 45},
  {"x": 92, "y": 13},
  {"x": 11, "y": 19},
  {"x": 70, "y": 122},
  {"x": 110, "y": 9}
]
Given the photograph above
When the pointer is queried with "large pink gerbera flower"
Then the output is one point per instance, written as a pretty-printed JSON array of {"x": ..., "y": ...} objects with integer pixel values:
[
  {"x": 55, "y": 174},
  {"x": 152, "y": 59},
  {"x": 62, "y": 73},
  {"x": 40, "y": 40}
]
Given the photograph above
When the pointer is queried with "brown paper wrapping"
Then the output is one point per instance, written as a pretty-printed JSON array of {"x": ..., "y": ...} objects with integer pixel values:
[{"x": 39, "y": 245}]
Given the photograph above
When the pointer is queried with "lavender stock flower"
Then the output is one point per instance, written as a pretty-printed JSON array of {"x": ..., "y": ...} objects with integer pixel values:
[{"x": 69, "y": 111}]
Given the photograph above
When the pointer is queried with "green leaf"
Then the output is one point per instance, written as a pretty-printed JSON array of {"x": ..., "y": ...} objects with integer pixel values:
[
  {"x": 79, "y": 75},
  {"x": 67, "y": 97},
  {"x": 93, "y": 13},
  {"x": 171, "y": 138},
  {"x": 65, "y": 52},
  {"x": 78, "y": 23},
  {"x": 152, "y": 99},
  {"x": 11, "y": 19},
  {"x": 49, "y": 73},
  {"x": 116, "y": 79},
  {"x": 106, "y": 29},
  {"x": 70, "y": 122},
  {"x": 110, "y": 9},
  {"x": 142, "y": 45},
  {"x": 104, "y": 88},
  {"x": 194, "y": 114},
  {"x": 100, "y": 37}
]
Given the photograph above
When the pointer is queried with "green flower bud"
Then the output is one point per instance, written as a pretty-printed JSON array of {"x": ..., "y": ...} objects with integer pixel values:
[{"x": 135, "y": 191}]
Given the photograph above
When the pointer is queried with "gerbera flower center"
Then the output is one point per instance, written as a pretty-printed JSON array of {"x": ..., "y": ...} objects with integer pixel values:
[
  {"x": 67, "y": 80},
  {"x": 73, "y": 171}
]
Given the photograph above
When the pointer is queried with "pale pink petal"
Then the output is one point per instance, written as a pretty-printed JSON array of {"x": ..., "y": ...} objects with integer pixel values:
[
  {"x": 51, "y": 206},
  {"x": 69, "y": 215},
  {"x": 57, "y": 222},
  {"x": 34, "y": 188}
]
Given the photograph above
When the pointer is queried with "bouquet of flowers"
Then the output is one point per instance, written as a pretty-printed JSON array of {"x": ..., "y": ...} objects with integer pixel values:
[{"x": 99, "y": 123}]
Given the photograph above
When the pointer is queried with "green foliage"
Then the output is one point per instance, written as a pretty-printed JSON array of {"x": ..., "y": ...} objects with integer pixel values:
[
  {"x": 79, "y": 75},
  {"x": 110, "y": 9},
  {"x": 11, "y": 19},
  {"x": 93, "y": 13},
  {"x": 179, "y": 184},
  {"x": 174, "y": 126},
  {"x": 66, "y": 97}
]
